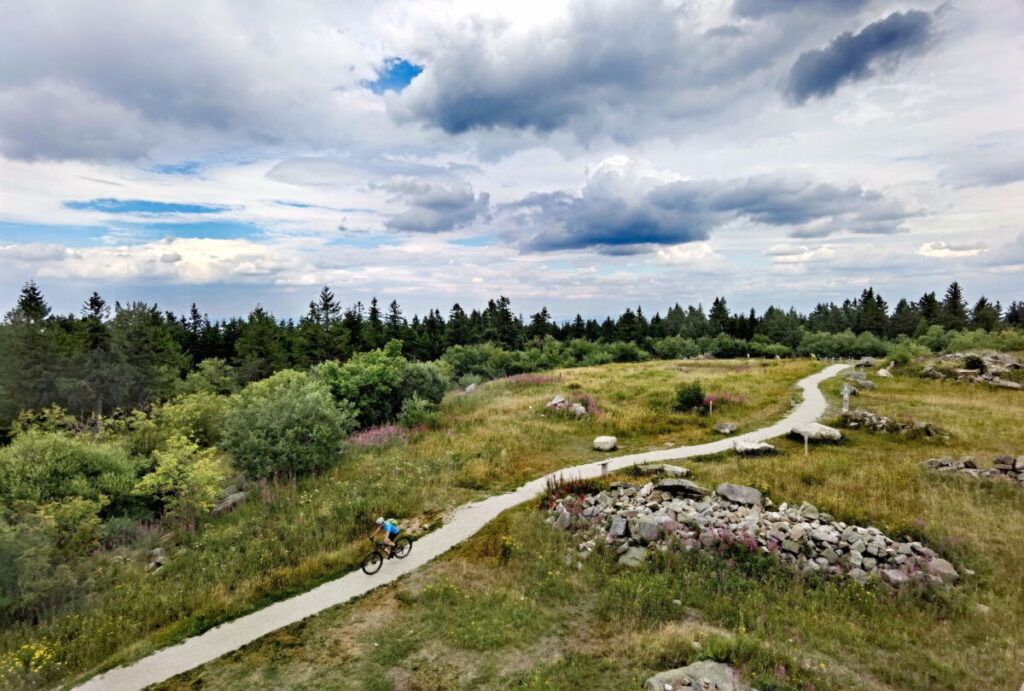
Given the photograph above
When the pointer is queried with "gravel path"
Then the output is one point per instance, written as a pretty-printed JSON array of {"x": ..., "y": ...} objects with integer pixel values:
[{"x": 465, "y": 522}]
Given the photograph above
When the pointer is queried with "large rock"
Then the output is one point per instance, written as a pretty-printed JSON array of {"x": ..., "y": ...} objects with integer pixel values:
[
  {"x": 680, "y": 486},
  {"x": 706, "y": 675},
  {"x": 725, "y": 427},
  {"x": 740, "y": 494},
  {"x": 633, "y": 557},
  {"x": 815, "y": 431},
  {"x": 753, "y": 448},
  {"x": 865, "y": 362},
  {"x": 605, "y": 443},
  {"x": 943, "y": 569}
]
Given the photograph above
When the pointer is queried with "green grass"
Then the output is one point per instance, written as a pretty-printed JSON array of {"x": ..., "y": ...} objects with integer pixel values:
[
  {"x": 603, "y": 626},
  {"x": 296, "y": 534}
]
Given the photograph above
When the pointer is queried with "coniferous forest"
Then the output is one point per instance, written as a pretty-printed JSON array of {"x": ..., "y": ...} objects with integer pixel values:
[{"x": 126, "y": 356}]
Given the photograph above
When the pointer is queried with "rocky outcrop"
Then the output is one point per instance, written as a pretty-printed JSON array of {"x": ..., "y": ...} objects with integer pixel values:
[
  {"x": 706, "y": 675},
  {"x": 975, "y": 368},
  {"x": 864, "y": 419},
  {"x": 676, "y": 514},
  {"x": 1006, "y": 467}
]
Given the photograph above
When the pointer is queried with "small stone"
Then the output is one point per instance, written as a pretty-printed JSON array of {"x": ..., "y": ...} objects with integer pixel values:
[
  {"x": 725, "y": 427},
  {"x": 605, "y": 443},
  {"x": 894, "y": 577},
  {"x": 633, "y": 557}
]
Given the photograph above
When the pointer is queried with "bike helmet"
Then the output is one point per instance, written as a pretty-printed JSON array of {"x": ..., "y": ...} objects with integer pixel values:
[{"x": 379, "y": 521}]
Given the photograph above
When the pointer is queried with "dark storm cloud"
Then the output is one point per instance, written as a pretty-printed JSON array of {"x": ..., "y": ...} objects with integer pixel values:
[
  {"x": 607, "y": 68},
  {"x": 688, "y": 211},
  {"x": 851, "y": 57},
  {"x": 435, "y": 208}
]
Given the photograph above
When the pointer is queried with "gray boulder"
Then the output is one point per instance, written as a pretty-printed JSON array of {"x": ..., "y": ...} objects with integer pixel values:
[
  {"x": 815, "y": 431},
  {"x": 680, "y": 486},
  {"x": 740, "y": 494},
  {"x": 943, "y": 569},
  {"x": 633, "y": 557},
  {"x": 753, "y": 448},
  {"x": 705, "y": 675}
]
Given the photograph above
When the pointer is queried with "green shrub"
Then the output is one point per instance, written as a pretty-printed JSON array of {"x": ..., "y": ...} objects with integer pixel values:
[
  {"x": 974, "y": 362},
  {"x": 416, "y": 412},
  {"x": 212, "y": 375},
  {"x": 675, "y": 347},
  {"x": 287, "y": 423},
  {"x": 689, "y": 396},
  {"x": 370, "y": 382},
  {"x": 186, "y": 480},
  {"x": 424, "y": 379},
  {"x": 44, "y": 466},
  {"x": 197, "y": 416}
]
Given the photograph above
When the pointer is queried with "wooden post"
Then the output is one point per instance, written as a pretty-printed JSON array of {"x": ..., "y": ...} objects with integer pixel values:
[
  {"x": 807, "y": 451},
  {"x": 604, "y": 467}
]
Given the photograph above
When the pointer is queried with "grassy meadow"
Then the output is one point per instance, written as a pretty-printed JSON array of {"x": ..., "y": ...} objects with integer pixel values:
[
  {"x": 506, "y": 609},
  {"x": 293, "y": 534}
]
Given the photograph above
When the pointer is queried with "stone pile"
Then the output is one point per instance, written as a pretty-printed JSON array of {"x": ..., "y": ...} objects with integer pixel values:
[
  {"x": 560, "y": 404},
  {"x": 865, "y": 419},
  {"x": 675, "y": 513},
  {"x": 1003, "y": 467}
]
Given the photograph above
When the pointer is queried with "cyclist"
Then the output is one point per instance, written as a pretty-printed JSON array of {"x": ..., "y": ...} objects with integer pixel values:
[{"x": 389, "y": 531}]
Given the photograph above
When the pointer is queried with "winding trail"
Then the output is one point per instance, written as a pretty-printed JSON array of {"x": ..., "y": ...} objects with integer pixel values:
[{"x": 465, "y": 522}]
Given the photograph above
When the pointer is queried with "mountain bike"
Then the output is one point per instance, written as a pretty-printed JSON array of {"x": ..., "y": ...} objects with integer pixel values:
[{"x": 375, "y": 559}]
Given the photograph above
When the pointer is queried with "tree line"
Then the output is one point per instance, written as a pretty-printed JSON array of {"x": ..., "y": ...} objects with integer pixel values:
[{"x": 125, "y": 356}]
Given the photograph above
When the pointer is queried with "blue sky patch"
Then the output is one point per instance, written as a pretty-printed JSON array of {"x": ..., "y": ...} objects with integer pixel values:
[
  {"x": 143, "y": 206},
  {"x": 477, "y": 241},
  {"x": 219, "y": 230},
  {"x": 394, "y": 75},
  {"x": 183, "y": 168},
  {"x": 69, "y": 236}
]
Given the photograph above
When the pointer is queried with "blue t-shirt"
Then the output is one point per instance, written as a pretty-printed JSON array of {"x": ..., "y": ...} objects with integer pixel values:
[{"x": 390, "y": 528}]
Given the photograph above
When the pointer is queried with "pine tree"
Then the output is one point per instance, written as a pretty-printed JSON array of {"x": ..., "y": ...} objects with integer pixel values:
[
  {"x": 718, "y": 317},
  {"x": 985, "y": 315},
  {"x": 954, "y": 308},
  {"x": 459, "y": 331}
]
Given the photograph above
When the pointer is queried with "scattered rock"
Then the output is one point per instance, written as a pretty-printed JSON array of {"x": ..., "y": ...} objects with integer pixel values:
[
  {"x": 740, "y": 494},
  {"x": 683, "y": 487},
  {"x": 470, "y": 389},
  {"x": 1005, "y": 467},
  {"x": 815, "y": 431},
  {"x": 605, "y": 443},
  {"x": 753, "y": 448},
  {"x": 229, "y": 502},
  {"x": 706, "y": 675},
  {"x": 725, "y": 427},
  {"x": 884, "y": 374},
  {"x": 984, "y": 367},
  {"x": 157, "y": 559},
  {"x": 865, "y": 362}
]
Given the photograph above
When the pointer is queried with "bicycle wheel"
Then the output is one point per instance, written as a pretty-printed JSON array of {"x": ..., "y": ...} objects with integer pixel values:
[
  {"x": 372, "y": 563},
  {"x": 403, "y": 546}
]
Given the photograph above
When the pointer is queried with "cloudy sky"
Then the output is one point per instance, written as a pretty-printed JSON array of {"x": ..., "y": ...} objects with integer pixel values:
[{"x": 584, "y": 155}]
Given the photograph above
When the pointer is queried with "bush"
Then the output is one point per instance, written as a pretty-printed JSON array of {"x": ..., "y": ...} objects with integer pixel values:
[
  {"x": 416, "y": 412},
  {"x": 212, "y": 375},
  {"x": 676, "y": 347},
  {"x": 425, "y": 380},
  {"x": 287, "y": 423},
  {"x": 44, "y": 466},
  {"x": 186, "y": 480},
  {"x": 370, "y": 382},
  {"x": 198, "y": 416},
  {"x": 689, "y": 396}
]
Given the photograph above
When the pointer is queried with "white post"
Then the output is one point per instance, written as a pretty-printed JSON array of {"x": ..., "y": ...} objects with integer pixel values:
[
  {"x": 711, "y": 407},
  {"x": 846, "y": 401}
]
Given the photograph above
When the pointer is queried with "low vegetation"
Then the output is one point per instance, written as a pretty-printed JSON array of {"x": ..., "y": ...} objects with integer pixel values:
[
  {"x": 456, "y": 624},
  {"x": 84, "y": 584}
]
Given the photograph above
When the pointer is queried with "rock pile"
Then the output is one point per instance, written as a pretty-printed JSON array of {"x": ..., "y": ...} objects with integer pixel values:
[
  {"x": 560, "y": 404},
  {"x": 706, "y": 675},
  {"x": 675, "y": 513},
  {"x": 1004, "y": 467},
  {"x": 865, "y": 419}
]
